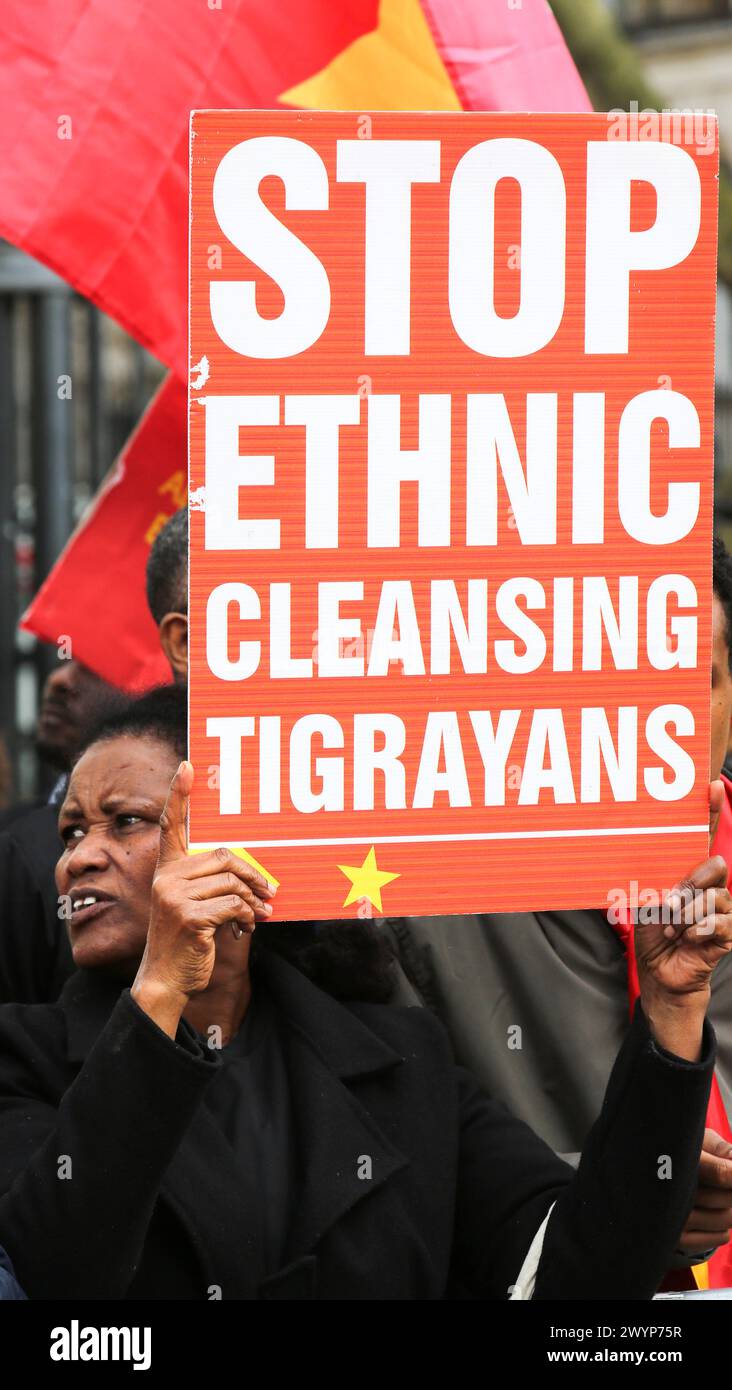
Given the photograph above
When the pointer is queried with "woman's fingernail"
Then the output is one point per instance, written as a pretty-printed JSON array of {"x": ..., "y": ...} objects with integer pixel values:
[
  {"x": 673, "y": 901},
  {"x": 268, "y": 907}
]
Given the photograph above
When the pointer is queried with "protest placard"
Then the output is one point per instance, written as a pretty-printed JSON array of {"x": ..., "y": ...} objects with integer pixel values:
[{"x": 451, "y": 466}]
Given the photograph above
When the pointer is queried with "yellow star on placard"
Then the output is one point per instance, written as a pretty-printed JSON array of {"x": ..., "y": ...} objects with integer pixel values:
[{"x": 367, "y": 880}]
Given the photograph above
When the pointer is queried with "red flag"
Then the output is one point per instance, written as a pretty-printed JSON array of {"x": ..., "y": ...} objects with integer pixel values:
[
  {"x": 506, "y": 57},
  {"x": 96, "y": 97},
  {"x": 95, "y": 594},
  {"x": 95, "y": 174}
]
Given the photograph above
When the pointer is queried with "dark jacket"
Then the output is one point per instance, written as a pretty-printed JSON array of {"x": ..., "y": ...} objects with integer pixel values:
[
  {"x": 35, "y": 957},
  {"x": 153, "y": 1206},
  {"x": 10, "y": 1290}
]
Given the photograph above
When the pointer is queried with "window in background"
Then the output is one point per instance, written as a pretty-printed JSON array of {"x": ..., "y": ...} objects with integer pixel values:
[{"x": 637, "y": 14}]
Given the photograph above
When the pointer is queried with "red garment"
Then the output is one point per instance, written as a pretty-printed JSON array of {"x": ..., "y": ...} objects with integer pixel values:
[{"x": 720, "y": 1265}]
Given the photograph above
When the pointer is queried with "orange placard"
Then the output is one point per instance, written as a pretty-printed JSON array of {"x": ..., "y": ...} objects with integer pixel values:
[{"x": 451, "y": 452}]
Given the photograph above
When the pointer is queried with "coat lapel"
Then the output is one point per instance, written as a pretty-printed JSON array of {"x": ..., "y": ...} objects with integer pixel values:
[
  {"x": 210, "y": 1189},
  {"x": 206, "y": 1184},
  {"x": 329, "y": 1053}
]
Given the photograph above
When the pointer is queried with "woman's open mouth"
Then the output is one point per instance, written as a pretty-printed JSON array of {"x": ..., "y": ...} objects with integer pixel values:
[{"x": 89, "y": 903}]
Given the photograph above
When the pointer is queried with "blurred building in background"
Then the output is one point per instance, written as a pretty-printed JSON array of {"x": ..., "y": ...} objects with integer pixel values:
[{"x": 685, "y": 51}]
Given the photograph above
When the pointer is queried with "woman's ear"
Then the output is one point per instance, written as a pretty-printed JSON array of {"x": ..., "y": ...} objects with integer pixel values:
[{"x": 174, "y": 642}]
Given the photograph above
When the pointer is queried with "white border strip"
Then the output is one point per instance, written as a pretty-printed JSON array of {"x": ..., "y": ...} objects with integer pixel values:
[
  {"x": 523, "y": 1289},
  {"x": 435, "y": 839}
]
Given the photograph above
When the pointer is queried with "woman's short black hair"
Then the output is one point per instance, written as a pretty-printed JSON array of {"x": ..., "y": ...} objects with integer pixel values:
[
  {"x": 161, "y": 714},
  {"x": 350, "y": 959}
]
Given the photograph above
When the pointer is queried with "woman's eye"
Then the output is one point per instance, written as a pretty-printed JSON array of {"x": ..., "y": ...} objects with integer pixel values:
[
  {"x": 70, "y": 833},
  {"x": 124, "y": 821}
]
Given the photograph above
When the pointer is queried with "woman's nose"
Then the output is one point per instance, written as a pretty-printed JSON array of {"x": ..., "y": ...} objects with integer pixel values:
[{"x": 91, "y": 852}]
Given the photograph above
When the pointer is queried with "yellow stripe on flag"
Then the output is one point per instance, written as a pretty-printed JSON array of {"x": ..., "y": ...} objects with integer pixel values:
[
  {"x": 394, "y": 68},
  {"x": 241, "y": 854}
]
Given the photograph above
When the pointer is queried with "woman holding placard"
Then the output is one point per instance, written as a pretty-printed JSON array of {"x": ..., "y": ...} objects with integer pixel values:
[{"x": 198, "y": 1119}]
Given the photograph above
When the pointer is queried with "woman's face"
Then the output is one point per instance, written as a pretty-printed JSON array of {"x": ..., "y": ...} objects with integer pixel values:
[{"x": 109, "y": 823}]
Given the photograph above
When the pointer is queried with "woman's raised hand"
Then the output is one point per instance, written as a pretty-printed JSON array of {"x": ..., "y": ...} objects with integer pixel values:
[
  {"x": 676, "y": 956},
  {"x": 192, "y": 896}
]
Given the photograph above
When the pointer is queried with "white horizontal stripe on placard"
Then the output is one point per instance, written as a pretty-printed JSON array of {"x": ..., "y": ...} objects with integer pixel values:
[{"x": 434, "y": 839}]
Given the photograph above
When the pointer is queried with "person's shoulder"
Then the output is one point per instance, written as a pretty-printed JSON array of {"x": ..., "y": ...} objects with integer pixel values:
[
  {"x": 33, "y": 1039},
  {"x": 18, "y": 811},
  {"x": 37, "y": 821},
  {"x": 34, "y": 841},
  {"x": 30, "y": 1021}
]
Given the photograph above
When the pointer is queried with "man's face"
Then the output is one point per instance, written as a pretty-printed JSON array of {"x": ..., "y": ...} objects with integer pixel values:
[
  {"x": 721, "y": 690},
  {"x": 73, "y": 700}
]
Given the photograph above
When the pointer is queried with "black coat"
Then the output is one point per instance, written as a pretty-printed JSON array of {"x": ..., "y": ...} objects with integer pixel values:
[
  {"x": 153, "y": 1205},
  {"x": 35, "y": 956}
]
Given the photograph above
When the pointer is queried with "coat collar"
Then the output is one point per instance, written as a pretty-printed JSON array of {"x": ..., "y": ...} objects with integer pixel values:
[
  {"x": 344, "y": 1043},
  {"x": 87, "y": 1000}
]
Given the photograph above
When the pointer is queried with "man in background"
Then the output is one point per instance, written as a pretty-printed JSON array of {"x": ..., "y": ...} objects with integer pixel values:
[
  {"x": 35, "y": 959},
  {"x": 167, "y": 591},
  {"x": 73, "y": 698}
]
